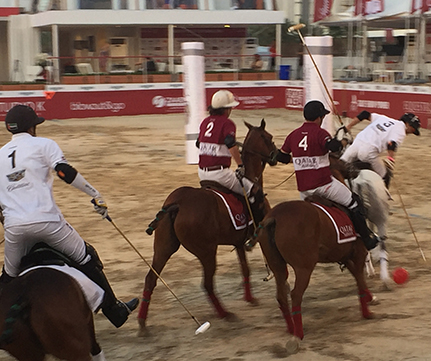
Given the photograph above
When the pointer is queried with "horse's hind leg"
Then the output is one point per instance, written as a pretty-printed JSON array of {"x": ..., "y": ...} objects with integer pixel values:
[
  {"x": 301, "y": 283},
  {"x": 246, "y": 274},
  {"x": 165, "y": 245}
]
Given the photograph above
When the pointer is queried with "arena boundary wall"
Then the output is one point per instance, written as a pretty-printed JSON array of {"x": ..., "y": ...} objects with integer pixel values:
[{"x": 103, "y": 100}]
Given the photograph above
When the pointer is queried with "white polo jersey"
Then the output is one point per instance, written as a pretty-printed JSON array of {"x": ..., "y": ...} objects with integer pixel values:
[
  {"x": 26, "y": 178},
  {"x": 381, "y": 131}
]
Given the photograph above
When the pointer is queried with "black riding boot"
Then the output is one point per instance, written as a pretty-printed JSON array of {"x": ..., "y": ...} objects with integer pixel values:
[
  {"x": 357, "y": 215},
  {"x": 115, "y": 310}
]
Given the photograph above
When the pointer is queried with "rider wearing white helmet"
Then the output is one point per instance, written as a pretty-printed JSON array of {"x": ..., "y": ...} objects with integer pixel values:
[{"x": 217, "y": 146}]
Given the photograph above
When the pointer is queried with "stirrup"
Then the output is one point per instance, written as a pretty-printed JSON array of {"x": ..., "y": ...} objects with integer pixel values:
[
  {"x": 119, "y": 313},
  {"x": 131, "y": 305},
  {"x": 372, "y": 241}
]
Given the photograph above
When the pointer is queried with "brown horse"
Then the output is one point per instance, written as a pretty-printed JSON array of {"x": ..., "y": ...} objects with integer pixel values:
[
  {"x": 44, "y": 312},
  {"x": 301, "y": 235},
  {"x": 198, "y": 219}
]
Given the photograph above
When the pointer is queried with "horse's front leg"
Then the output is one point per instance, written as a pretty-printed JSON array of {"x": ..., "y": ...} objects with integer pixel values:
[
  {"x": 384, "y": 262},
  {"x": 356, "y": 268},
  {"x": 240, "y": 251},
  {"x": 208, "y": 261},
  {"x": 369, "y": 268}
]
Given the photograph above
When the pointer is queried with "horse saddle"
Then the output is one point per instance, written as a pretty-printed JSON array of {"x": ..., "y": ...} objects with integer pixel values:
[
  {"x": 339, "y": 215},
  {"x": 42, "y": 255},
  {"x": 235, "y": 204}
]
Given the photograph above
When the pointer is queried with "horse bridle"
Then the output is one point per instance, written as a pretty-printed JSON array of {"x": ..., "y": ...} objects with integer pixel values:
[{"x": 266, "y": 158}]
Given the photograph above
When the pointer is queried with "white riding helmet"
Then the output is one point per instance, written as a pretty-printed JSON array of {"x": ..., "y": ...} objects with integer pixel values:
[{"x": 223, "y": 99}]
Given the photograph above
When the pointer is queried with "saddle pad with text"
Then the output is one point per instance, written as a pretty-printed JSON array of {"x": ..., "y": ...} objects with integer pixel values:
[
  {"x": 93, "y": 293},
  {"x": 238, "y": 215},
  {"x": 342, "y": 223}
]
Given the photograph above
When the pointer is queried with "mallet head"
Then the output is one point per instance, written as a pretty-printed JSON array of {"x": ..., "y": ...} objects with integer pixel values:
[
  {"x": 202, "y": 328},
  {"x": 295, "y": 27}
]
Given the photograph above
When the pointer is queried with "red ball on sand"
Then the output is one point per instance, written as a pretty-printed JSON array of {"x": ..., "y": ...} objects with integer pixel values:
[{"x": 400, "y": 275}]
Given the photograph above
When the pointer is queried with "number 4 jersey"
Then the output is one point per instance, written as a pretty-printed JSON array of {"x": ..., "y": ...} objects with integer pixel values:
[
  {"x": 310, "y": 157},
  {"x": 26, "y": 164}
]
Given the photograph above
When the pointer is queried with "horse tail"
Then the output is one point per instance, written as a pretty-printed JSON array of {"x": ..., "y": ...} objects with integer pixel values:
[
  {"x": 16, "y": 311},
  {"x": 171, "y": 210},
  {"x": 269, "y": 225}
]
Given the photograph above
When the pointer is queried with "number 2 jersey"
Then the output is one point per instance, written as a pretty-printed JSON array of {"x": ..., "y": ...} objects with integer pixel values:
[
  {"x": 26, "y": 165},
  {"x": 381, "y": 131},
  {"x": 213, "y": 131},
  {"x": 310, "y": 157}
]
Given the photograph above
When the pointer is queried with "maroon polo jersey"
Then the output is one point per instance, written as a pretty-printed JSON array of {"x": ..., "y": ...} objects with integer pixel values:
[
  {"x": 310, "y": 157},
  {"x": 212, "y": 134}
]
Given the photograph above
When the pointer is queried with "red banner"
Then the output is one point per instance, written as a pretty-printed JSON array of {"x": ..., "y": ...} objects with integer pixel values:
[
  {"x": 368, "y": 7},
  {"x": 322, "y": 9},
  {"x": 391, "y": 101},
  {"x": 103, "y": 103}
]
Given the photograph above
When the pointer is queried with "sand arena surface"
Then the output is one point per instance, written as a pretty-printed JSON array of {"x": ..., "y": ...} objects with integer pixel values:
[{"x": 135, "y": 162}]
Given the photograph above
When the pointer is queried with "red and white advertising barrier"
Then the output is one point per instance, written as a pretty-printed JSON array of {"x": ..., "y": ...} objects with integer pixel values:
[{"x": 86, "y": 101}]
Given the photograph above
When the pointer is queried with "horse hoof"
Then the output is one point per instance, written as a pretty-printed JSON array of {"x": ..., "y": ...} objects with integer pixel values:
[
  {"x": 253, "y": 302},
  {"x": 292, "y": 345},
  {"x": 143, "y": 332},
  {"x": 374, "y": 301},
  {"x": 386, "y": 286},
  {"x": 231, "y": 317},
  {"x": 369, "y": 316}
]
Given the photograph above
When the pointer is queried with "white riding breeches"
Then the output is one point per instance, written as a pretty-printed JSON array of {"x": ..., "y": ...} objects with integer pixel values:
[
  {"x": 334, "y": 191},
  {"x": 59, "y": 235},
  {"x": 227, "y": 178},
  {"x": 365, "y": 153}
]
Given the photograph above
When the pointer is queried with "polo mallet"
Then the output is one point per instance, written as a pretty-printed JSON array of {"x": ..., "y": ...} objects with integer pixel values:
[
  {"x": 202, "y": 326},
  {"x": 408, "y": 219},
  {"x": 334, "y": 108},
  {"x": 270, "y": 275}
]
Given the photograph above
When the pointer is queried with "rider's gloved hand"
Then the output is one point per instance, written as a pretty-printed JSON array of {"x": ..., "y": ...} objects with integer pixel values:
[
  {"x": 342, "y": 128},
  {"x": 240, "y": 171},
  {"x": 100, "y": 206}
]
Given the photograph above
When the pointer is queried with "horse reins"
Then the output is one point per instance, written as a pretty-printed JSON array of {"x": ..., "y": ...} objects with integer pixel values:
[{"x": 266, "y": 158}]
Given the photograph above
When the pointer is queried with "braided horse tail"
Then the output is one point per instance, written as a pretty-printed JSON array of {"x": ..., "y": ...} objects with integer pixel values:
[{"x": 171, "y": 210}]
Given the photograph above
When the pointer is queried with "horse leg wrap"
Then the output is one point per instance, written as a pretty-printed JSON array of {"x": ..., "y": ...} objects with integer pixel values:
[
  {"x": 247, "y": 290},
  {"x": 364, "y": 298},
  {"x": 297, "y": 320},
  {"x": 143, "y": 309},
  {"x": 219, "y": 308},
  {"x": 286, "y": 314}
]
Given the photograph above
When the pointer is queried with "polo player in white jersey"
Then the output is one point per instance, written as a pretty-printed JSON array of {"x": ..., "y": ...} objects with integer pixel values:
[
  {"x": 383, "y": 134},
  {"x": 31, "y": 214}
]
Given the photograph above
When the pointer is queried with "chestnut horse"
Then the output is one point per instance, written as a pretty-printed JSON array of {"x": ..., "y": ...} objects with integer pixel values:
[
  {"x": 198, "y": 219},
  {"x": 301, "y": 235},
  {"x": 44, "y": 312}
]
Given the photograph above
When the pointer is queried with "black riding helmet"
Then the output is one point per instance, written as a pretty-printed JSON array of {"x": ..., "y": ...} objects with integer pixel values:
[
  {"x": 413, "y": 121},
  {"x": 314, "y": 109},
  {"x": 21, "y": 118}
]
